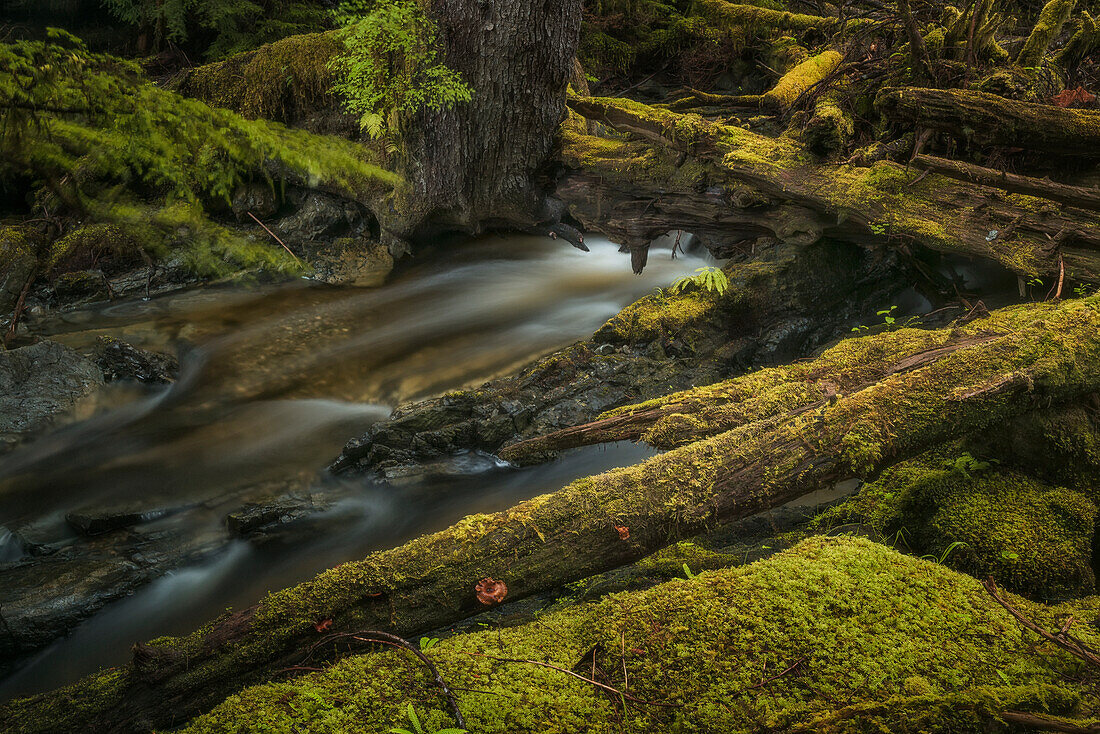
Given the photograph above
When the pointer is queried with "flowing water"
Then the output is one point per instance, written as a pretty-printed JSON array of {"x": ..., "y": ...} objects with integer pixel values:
[{"x": 274, "y": 380}]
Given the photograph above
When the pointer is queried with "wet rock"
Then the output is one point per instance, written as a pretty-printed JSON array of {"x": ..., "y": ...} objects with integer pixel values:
[
  {"x": 257, "y": 198},
  {"x": 350, "y": 261},
  {"x": 81, "y": 286},
  {"x": 461, "y": 464},
  {"x": 122, "y": 361},
  {"x": 264, "y": 517},
  {"x": 17, "y": 265},
  {"x": 38, "y": 383},
  {"x": 316, "y": 216},
  {"x": 99, "y": 520},
  {"x": 45, "y": 595}
]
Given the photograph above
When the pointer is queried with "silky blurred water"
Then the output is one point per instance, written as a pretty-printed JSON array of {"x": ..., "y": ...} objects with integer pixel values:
[{"x": 274, "y": 380}]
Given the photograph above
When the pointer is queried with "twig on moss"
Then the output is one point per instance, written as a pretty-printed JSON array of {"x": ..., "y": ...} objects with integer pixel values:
[
  {"x": 1047, "y": 723},
  {"x": 596, "y": 683},
  {"x": 1062, "y": 639},
  {"x": 385, "y": 638},
  {"x": 790, "y": 669}
]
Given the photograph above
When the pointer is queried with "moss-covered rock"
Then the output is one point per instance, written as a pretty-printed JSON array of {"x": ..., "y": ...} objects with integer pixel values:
[
  {"x": 880, "y": 641},
  {"x": 285, "y": 81},
  {"x": 979, "y": 518}
]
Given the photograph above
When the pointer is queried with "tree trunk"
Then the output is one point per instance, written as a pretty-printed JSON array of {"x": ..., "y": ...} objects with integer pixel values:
[
  {"x": 1078, "y": 196},
  {"x": 919, "y": 389},
  {"x": 478, "y": 163}
]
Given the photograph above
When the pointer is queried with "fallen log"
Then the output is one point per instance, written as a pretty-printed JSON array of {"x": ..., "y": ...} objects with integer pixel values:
[
  {"x": 790, "y": 87},
  {"x": 570, "y": 534},
  {"x": 757, "y": 186},
  {"x": 987, "y": 119},
  {"x": 1078, "y": 196}
]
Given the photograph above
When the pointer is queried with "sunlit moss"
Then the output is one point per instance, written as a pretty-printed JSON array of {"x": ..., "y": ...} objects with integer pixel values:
[{"x": 883, "y": 642}]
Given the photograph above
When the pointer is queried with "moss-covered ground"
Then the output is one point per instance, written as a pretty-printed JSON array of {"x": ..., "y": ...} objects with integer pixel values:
[{"x": 882, "y": 642}]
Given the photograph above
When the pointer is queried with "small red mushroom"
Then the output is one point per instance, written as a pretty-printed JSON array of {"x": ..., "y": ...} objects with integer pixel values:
[
  {"x": 490, "y": 591},
  {"x": 624, "y": 532}
]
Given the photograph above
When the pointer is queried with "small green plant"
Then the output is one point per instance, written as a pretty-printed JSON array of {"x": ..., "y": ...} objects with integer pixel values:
[
  {"x": 888, "y": 319},
  {"x": 1010, "y": 555},
  {"x": 879, "y": 229},
  {"x": 687, "y": 572},
  {"x": 707, "y": 279},
  {"x": 418, "y": 728},
  {"x": 391, "y": 66},
  {"x": 427, "y": 643},
  {"x": 967, "y": 465},
  {"x": 946, "y": 552}
]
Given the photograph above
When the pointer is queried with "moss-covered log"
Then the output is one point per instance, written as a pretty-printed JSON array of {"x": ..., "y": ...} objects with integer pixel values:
[
  {"x": 1078, "y": 196},
  {"x": 880, "y": 642},
  {"x": 756, "y": 186},
  {"x": 788, "y": 90},
  {"x": 733, "y": 16},
  {"x": 987, "y": 119},
  {"x": 803, "y": 435}
]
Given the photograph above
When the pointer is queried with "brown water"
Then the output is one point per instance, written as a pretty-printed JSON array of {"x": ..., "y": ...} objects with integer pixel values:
[{"x": 274, "y": 381}]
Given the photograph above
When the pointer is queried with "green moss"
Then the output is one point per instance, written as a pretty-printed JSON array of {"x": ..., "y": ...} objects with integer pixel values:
[
  {"x": 670, "y": 562},
  {"x": 887, "y": 643},
  {"x": 602, "y": 54},
  {"x": 1054, "y": 15},
  {"x": 830, "y": 129},
  {"x": 129, "y": 148},
  {"x": 1032, "y": 537},
  {"x": 281, "y": 81},
  {"x": 801, "y": 78},
  {"x": 659, "y": 315}
]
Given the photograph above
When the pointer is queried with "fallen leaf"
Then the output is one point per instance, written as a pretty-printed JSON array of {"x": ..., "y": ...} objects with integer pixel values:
[
  {"x": 624, "y": 532},
  {"x": 323, "y": 626},
  {"x": 490, "y": 591},
  {"x": 1070, "y": 97}
]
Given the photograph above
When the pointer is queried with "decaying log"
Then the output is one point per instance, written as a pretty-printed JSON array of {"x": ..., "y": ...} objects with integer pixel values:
[
  {"x": 987, "y": 119},
  {"x": 1078, "y": 196},
  {"x": 570, "y": 534},
  {"x": 756, "y": 184},
  {"x": 790, "y": 87}
]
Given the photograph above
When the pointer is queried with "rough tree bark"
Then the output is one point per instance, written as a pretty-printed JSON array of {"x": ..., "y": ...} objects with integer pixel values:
[
  {"x": 905, "y": 391},
  {"x": 478, "y": 163}
]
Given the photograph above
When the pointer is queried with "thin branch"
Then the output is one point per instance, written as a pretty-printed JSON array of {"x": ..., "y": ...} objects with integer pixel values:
[
  {"x": 1062, "y": 639},
  {"x": 275, "y": 236},
  {"x": 604, "y": 686},
  {"x": 1047, "y": 723},
  {"x": 400, "y": 643}
]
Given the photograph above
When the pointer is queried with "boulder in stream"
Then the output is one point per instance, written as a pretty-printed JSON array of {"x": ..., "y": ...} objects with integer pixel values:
[{"x": 37, "y": 384}]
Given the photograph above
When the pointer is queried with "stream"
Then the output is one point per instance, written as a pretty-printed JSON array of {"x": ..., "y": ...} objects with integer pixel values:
[{"x": 274, "y": 380}]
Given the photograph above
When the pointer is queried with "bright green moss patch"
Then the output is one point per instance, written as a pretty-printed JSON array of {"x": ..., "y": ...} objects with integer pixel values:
[
  {"x": 107, "y": 147},
  {"x": 658, "y": 316},
  {"x": 1032, "y": 537},
  {"x": 887, "y": 643}
]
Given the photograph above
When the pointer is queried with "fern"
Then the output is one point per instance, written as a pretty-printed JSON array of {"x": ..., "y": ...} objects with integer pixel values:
[
  {"x": 713, "y": 280},
  {"x": 390, "y": 65}
]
